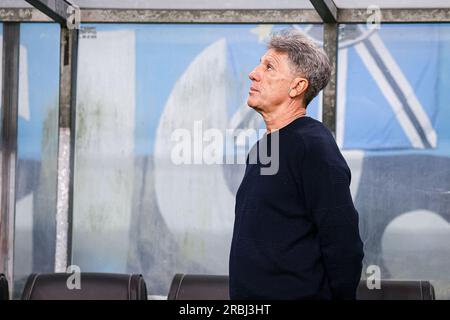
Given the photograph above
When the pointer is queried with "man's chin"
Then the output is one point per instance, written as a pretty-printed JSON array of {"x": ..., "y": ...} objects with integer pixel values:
[
  {"x": 252, "y": 105},
  {"x": 256, "y": 108}
]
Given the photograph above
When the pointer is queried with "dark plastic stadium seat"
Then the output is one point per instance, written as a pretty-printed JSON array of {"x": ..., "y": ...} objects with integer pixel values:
[
  {"x": 198, "y": 287},
  {"x": 213, "y": 287},
  {"x": 4, "y": 291},
  {"x": 93, "y": 286},
  {"x": 397, "y": 290}
]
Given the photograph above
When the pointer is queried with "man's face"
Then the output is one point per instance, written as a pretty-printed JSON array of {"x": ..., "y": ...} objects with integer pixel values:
[{"x": 271, "y": 81}]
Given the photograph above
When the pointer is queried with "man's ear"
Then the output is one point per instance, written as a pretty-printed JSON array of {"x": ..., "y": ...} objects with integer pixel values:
[{"x": 299, "y": 86}]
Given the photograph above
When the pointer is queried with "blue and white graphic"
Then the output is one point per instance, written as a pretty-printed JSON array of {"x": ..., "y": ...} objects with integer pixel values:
[{"x": 395, "y": 99}]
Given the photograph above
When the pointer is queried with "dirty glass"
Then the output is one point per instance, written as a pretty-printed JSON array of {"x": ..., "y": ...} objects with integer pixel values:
[
  {"x": 37, "y": 151},
  {"x": 393, "y": 108},
  {"x": 135, "y": 209}
]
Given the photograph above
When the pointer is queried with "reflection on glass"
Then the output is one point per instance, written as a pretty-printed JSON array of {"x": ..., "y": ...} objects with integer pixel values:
[
  {"x": 34, "y": 242},
  {"x": 392, "y": 123},
  {"x": 135, "y": 209}
]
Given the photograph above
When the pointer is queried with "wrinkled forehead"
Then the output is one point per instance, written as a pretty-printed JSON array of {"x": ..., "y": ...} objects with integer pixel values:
[{"x": 276, "y": 56}]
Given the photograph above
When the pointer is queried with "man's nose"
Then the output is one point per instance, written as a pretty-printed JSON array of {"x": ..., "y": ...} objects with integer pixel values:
[{"x": 253, "y": 75}]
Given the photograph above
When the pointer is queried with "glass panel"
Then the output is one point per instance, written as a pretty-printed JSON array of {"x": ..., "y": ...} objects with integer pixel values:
[
  {"x": 392, "y": 122},
  {"x": 135, "y": 210},
  {"x": 34, "y": 242},
  {"x": 14, "y": 4},
  {"x": 392, "y": 4},
  {"x": 196, "y": 4}
]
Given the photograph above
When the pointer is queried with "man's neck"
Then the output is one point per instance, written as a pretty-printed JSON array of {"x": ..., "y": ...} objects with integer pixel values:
[{"x": 282, "y": 116}]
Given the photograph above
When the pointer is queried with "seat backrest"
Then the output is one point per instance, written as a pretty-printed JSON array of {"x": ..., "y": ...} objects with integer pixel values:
[
  {"x": 198, "y": 287},
  {"x": 397, "y": 290},
  {"x": 4, "y": 290},
  {"x": 213, "y": 287},
  {"x": 93, "y": 286}
]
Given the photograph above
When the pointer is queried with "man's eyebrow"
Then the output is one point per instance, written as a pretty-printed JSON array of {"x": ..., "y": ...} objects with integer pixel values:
[{"x": 268, "y": 59}]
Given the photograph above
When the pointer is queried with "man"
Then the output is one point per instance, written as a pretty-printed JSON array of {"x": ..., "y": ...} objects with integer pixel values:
[{"x": 296, "y": 231}]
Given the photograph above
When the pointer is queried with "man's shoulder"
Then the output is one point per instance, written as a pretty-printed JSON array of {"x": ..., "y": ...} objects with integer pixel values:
[
  {"x": 306, "y": 124},
  {"x": 315, "y": 140},
  {"x": 310, "y": 130}
]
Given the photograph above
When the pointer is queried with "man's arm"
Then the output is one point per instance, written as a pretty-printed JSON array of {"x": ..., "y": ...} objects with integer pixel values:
[{"x": 326, "y": 184}]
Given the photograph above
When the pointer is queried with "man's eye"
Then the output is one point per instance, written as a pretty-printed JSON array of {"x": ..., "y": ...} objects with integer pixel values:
[{"x": 269, "y": 67}]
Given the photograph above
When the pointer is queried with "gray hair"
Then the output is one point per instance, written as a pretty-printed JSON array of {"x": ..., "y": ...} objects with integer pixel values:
[{"x": 305, "y": 58}]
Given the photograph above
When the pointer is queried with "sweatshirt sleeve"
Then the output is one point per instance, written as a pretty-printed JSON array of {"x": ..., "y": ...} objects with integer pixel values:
[{"x": 326, "y": 186}]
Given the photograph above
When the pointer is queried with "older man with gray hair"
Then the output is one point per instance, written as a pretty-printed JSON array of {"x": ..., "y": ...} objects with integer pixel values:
[{"x": 296, "y": 231}]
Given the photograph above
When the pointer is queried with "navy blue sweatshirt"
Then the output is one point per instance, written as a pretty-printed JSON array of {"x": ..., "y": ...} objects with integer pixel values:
[{"x": 296, "y": 232}]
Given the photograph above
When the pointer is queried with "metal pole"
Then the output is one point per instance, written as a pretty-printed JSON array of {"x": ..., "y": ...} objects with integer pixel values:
[
  {"x": 9, "y": 111},
  {"x": 66, "y": 142},
  {"x": 330, "y": 45}
]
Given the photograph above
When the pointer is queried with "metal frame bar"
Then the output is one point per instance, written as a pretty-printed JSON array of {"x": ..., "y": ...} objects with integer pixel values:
[
  {"x": 441, "y": 15},
  {"x": 171, "y": 16},
  {"x": 22, "y": 15},
  {"x": 425, "y": 15},
  {"x": 56, "y": 10},
  {"x": 200, "y": 16},
  {"x": 329, "y": 97},
  {"x": 66, "y": 147},
  {"x": 9, "y": 112},
  {"x": 329, "y": 14},
  {"x": 326, "y": 9}
]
